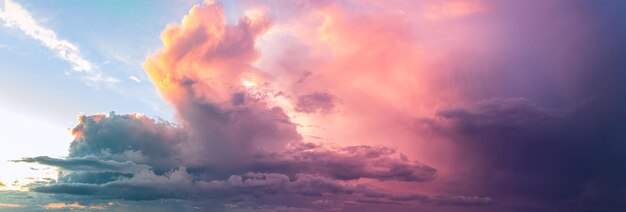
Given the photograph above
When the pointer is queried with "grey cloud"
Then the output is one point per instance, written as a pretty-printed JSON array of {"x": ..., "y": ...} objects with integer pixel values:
[
  {"x": 250, "y": 187},
  {"x": 371, "y": 192},
  {"x": 347, "y": 163},
  {"x": 321, "y": 102},
  {"x": 514, "y": 148},
  {"x": 395, "y": 197},
  {"x": 143, "y": 185},
  {"x": 147, "y": 185},
  {"x": 88, "y": 164},
  {"x": 132, "y": 137},
  {"x": 118, "y": 157},
  {"x": 145, "y": 143},
  {"x": 91, "y": 177},
  {"x": 508, "y": 115},
  {"x": 463, "y": 200},
  {"x": 224, "y": 134}
]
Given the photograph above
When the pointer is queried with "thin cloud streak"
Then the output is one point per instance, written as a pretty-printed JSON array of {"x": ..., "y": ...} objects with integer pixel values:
[
  {"x": 134, "y": 78},
  {"x": 15, "y": 16},
  {"x": 10, "y": 205},
  {"x": 75, "y": 205}
]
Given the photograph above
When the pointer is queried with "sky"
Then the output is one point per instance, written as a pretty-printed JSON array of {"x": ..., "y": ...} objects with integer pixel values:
[{"x": 312, "y": 105}]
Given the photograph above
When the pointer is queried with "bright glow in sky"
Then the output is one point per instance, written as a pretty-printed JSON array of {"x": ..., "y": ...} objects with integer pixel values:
[
  {"x": 25, "y": 134},
  {"x": 25, "y": 129}
]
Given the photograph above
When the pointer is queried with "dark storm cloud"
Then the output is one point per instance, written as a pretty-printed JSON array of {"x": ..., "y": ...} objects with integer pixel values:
[
  {"x": 563, "y": 145},
  {"x": 570, "y": 157}
]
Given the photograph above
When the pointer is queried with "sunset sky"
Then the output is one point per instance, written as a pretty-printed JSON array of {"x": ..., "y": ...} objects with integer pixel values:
[{"x": 313, "y": 105}]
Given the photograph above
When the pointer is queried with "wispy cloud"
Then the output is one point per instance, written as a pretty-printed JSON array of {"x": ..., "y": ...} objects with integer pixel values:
[
  {"x": 134, "y": 78},
  {"x": 76, "y": 205},
  {"x": 15, "y": 16},
  {"x": 8, "y": 205}
]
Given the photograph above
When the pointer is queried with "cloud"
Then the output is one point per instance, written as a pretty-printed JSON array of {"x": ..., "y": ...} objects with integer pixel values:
[
  {"x": 60, "y": 205},
  {"x": 134, "y": 78},
  {"x": 180, "y": 184},
  {"x": 372, "y": 192},
  {"x": 143, "y": 185},
  {"x": 89, "y": 163},
  {"x": 201, "y": 69},
  {"x": 315, "y": 102},
  {"x": 512, "y": 111},
  {"x": 130, "y": 139},
  {"x": 163, "y": 146},
  {"x": 146, "y": 185},
  {"x": 502, "y": 116},
  {"x": 236, "y": 140},
  {"x": 15, "y": 16},
  {"x": 9, "y": 205},
  {"x": 514, "y": 147},
  {"x": 346, "y": 163},
  {"x": 464, "y": 200},
  {"x": 133, "y": 157},
  {"x": 483, "y": 105}
]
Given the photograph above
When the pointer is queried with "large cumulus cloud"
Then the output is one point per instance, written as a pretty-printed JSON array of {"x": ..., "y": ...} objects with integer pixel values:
[{"x": 200, "y": 71}]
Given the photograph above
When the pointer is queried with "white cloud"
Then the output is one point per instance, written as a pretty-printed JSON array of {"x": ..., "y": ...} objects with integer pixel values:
[
  {"x": 15, "y": 16},
  {"x": 134, "y": 78}
]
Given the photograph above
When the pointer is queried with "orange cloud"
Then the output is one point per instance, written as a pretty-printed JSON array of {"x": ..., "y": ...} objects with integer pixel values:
[
  {"x": 203, "y": 50},
  {"x": 9, "y": 205},
  {"x": 204, "y": 70},
  {"x": 76, "y": 205}
]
